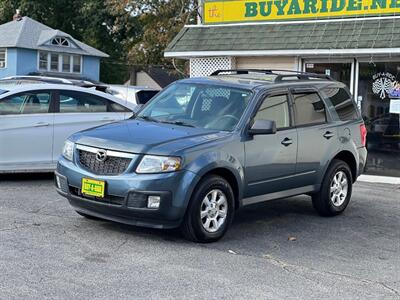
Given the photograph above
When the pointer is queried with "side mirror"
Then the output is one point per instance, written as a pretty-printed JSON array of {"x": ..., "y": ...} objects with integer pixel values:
[{"x": 263, "y": 127}]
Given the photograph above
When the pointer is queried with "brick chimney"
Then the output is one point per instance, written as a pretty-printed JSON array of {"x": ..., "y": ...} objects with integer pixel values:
[{"x": 17, "y": 16}]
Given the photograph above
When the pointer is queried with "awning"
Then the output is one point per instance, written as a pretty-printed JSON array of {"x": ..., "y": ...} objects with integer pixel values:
[{"x": 361, "y": 36}]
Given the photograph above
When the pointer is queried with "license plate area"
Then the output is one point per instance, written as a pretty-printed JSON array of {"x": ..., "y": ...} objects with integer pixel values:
[{"x": 91, "y": 187}]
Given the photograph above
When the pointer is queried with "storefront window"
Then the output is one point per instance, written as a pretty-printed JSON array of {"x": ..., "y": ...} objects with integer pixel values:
[
  {"x": 378, "y": 93},
  {"x": 338, "y": 71}
]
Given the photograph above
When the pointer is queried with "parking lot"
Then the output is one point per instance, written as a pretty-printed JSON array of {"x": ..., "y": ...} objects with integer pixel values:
[{"x": 280, "y": 249}]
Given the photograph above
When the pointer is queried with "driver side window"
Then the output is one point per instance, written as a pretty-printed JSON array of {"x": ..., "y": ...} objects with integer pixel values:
[{"x": 275, "y": 108}]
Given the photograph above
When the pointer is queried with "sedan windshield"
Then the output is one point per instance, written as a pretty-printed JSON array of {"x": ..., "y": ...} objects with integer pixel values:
[{"x": 198, "y": 105}]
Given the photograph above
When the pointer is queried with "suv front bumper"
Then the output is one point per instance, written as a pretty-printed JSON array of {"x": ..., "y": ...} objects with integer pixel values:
[{"x": 126, "y": 195}]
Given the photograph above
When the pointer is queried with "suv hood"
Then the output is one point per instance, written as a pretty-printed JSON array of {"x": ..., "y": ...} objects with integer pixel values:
[{"x": 137, "y": 136}]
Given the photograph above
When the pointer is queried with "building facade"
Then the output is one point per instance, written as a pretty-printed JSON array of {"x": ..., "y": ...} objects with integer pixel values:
[
  {"x": 356, "y": 42},
  {"x": 28, "y": 47}
]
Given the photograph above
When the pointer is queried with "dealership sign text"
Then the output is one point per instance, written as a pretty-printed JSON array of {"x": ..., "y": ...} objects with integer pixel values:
[{"x": 236, "y": 11}]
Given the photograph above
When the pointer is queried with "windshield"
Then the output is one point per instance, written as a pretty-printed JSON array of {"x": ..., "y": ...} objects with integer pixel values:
[{"x": 198, "y": 105}]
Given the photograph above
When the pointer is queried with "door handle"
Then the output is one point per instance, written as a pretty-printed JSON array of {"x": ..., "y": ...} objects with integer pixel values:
[
  {"x": 109, "y": 119},
  {"x": 287, "y": 142},
  {"x": 329, "y": 135},
  {"x": 41, "y": 124}
]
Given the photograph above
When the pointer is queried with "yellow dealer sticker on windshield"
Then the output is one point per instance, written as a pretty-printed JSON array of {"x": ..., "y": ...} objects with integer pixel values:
[
  {"x": 92, "y": 187},
  {"x": 236, "y": 11}
]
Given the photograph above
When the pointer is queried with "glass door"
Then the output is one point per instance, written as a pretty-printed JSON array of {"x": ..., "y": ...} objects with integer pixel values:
[{"x": 341, "y": 70}]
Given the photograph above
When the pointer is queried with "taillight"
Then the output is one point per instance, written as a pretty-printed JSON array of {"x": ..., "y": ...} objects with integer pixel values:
[{"x": 363, "y": 134}]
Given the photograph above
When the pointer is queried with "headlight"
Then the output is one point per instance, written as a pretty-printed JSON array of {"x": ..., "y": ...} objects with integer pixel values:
[
  {"x": 158, "y": 164},
  {"x": 68, "y": 150}
]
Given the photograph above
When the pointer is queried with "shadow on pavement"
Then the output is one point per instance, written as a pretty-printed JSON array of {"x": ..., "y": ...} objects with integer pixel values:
[{"x": 26, "y": 176}]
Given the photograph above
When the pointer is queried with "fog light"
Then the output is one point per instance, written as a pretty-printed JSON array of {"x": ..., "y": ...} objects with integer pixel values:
[
  {"x": 58, "y": 182},
  {"x": 153, "y": 201}
]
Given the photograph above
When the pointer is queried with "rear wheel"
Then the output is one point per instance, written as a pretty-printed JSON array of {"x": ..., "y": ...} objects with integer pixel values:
[
  {"x": 336, "y": 190},
  {"x": 210, "y": 211}
]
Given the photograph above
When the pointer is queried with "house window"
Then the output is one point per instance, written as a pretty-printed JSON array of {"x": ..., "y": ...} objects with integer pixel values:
[
  {"x": 66, "y": 63},
  {"x": 60, "y": 41},
  {"x": 76, "y": 64},
  {"x": 54, "y": 62},
  {"x": 43, "y": 61},
  {"x": 2, "y": 58}
]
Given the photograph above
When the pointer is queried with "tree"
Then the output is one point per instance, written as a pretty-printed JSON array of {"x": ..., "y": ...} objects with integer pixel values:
[{"x": 131, "y": 32}]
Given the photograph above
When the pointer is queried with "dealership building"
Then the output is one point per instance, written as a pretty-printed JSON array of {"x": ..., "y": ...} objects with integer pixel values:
[{"x": 354, "y": 41}]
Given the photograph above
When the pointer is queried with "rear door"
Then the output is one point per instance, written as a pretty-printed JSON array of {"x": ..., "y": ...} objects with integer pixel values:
[
  {"x": 271, "y": 159},
  {"x": 26, "y": 131},
  {"x": 317, "y": 138},
  {"x": 76, "y": 111}
]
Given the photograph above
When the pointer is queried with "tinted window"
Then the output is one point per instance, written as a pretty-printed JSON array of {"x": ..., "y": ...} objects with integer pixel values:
[
  {"x": 145, "y": 96},
  {"x": 78, "y": 102},
  {"x": 309, "y": 109},
  {"x": 275, "y": 108},
  {"x": 342, "y": 102},
  {"x": 26, "y": 103}
]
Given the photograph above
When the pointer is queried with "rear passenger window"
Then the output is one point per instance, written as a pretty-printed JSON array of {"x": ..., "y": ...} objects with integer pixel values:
[
  {"x": 275, "y": 108},
  {"x": 309, "y": 109},
  {"x": 342, "y": 102},
  {"x": 78, "y": 102}
]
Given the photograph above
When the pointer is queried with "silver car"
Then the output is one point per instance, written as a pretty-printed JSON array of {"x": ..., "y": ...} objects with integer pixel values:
[{"x": 36, "y": 119}]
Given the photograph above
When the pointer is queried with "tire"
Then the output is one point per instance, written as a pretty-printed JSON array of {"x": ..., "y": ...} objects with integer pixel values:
[
  {"x": 331, "y": 203},
  {"x": 213, "y": 225},
  {"x": 89, "y": 216}
]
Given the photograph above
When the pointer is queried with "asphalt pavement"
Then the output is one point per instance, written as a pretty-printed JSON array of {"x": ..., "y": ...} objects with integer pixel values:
[{"x": 277, "y": 250}]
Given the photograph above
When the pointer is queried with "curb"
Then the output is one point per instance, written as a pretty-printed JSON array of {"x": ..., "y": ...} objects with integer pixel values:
[{"x": 379, "y": 179}]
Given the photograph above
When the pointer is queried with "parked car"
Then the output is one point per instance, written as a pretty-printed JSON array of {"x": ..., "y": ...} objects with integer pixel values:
[
  {"x": 135, "y": 94},
  {"x": 35, "y": 120},
  {"x": 233, "y": 140},
  {"x": 30, "y": 79}
]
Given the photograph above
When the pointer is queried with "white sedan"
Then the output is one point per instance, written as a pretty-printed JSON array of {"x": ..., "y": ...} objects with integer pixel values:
[{"x": 36, "y": 119}]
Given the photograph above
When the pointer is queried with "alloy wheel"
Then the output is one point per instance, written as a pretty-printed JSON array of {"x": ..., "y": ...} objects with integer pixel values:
[{"x": 213, "y": 210}]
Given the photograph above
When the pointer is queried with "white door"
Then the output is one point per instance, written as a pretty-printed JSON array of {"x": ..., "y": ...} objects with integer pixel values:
[
  {"x": 26, "y": 131},
  {"x": 79, "y": 111}
]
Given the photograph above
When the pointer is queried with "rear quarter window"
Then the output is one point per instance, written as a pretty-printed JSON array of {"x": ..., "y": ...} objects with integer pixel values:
[{"x": 342, "y": 102}]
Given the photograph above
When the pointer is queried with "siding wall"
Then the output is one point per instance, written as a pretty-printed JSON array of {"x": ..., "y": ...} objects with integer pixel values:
[
  {"x": 11, "y": 63},
  {"x": 27, "y": 61},
  {"x": 260, "y": 62},
  {"x": 91, "y": 67}
]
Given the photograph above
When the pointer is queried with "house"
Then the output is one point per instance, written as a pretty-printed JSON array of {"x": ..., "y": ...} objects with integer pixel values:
[
  {"x": 152, "y": 77},
  {"x": 29, "y": 47}
]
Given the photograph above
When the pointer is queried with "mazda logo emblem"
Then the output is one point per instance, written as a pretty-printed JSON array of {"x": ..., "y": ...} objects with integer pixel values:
[{"x": 101, "y": 155}]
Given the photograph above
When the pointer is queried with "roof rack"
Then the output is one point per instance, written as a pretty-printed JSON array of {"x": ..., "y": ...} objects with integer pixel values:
[{"x": 293, "y": 75}]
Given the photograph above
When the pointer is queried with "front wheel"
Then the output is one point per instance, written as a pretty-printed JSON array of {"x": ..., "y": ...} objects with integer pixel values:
[
  {"x": 210, "y": 211},
  {"x": 336, "y": 190}
]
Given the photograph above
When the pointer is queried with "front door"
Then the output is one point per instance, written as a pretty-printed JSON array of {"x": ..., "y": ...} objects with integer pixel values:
[
  {"x": 26, "y": 131},
  {"x": 271, "y": 159}
]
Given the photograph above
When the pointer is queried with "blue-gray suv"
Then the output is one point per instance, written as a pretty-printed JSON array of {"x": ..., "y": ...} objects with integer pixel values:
[{"x": 205, "y": 147}]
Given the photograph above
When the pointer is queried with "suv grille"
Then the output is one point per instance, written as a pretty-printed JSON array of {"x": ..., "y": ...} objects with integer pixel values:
[{"x": 112, "y": 165}]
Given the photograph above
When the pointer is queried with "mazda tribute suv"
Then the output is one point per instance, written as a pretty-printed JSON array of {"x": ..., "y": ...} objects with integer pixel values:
[{"x": 205, "y": 147}]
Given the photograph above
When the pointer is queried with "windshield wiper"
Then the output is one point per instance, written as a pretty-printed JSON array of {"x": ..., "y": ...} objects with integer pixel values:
[
  {"x": 179, "y": 123},
  {"x": 148, "y": 118}
]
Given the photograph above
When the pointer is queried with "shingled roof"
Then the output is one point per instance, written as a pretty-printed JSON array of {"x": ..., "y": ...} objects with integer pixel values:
[
  {"x": 289, "y": 38},
  {"x": 30, "y": 34}
]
